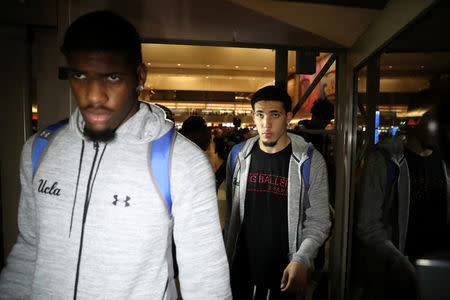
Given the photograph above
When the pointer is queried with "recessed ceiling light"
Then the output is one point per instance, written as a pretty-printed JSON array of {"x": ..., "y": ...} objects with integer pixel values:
[
  {"x": 237, "y": 67},
  {"x": 390, "y": 67},
  {"x": 149, "y": 64},
  {"x": 265, "y": 68},
  {"x": 208, "y": 66},
  {"x": 178, "y": 64}
]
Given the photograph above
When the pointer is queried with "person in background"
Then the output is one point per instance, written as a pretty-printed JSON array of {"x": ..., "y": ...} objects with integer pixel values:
[
  {"x": 195, "y": 129},
  {"x": 322, "y": 113},
  {"x": 92, "y": 222}
]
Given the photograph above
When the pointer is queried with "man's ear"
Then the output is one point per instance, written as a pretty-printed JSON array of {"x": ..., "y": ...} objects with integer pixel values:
[
  {"x": 289, "y": 117},
  {"x": 141, "y": 73}
]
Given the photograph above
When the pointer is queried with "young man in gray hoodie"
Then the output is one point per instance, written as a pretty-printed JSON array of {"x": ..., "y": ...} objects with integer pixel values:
[
  {"x": 92, "y": 221},
  {"x": 275, "y": 222}
]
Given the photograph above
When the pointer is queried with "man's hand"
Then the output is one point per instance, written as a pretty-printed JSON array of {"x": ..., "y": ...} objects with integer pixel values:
[{"x": 294, "y": 277}]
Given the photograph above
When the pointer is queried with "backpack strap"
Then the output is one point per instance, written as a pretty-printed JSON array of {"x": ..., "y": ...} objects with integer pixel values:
[
  {"x": 234, "y": 153},
  {"x": 41, "y": 142},
  {"x": 391, "y": 167},
  {"x": 306, "y": 165},
  {"x": 160, "y": 164}
]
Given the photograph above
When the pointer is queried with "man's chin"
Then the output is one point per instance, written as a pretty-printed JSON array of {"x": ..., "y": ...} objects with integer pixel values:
[
  {"x": 104, "y": 135},
  {"x": 269, "y": 143}
]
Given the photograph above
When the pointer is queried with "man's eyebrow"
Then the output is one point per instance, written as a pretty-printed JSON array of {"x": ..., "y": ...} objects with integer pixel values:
[
  {"x": 114, "y": 73},
  {"x": 69, "y": 69},
  {"x": 73, "y": 70},
  {"x": 272, "y": 111}
]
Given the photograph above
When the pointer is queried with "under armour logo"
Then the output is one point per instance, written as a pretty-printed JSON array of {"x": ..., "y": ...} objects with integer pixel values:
[{"x": 124, "y": 201}]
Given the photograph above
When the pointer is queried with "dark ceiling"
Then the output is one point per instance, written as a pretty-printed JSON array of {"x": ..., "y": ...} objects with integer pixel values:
[
  {"x": 372, "y": 4},
  {"x": 428, "y": 34}
]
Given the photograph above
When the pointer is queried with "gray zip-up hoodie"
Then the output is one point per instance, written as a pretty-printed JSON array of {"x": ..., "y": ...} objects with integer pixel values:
[
  {"x": 125, "y": 249},
  {"x": 383, "y": 203},
  {"x": 305, "y": 240}
]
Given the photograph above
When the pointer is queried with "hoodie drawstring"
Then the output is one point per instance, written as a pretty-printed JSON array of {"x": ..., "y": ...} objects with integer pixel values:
[
  {"x": 89, "y": 188},
  {"x": 76, "y": 188}
]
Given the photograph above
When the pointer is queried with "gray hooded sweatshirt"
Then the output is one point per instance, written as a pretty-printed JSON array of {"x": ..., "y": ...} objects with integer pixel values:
[
  {"x": 308, "y": 212},
  {"x": 124, "y": 251},
  {"x": 383, "y": 206}
]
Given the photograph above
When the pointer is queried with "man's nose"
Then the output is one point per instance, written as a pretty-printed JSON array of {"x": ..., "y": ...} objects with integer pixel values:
[
  {"x": 96, "y": 91},
  {"x": 266, "y": 122}
]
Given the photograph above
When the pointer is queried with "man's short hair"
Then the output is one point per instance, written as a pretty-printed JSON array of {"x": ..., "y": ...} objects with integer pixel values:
[
  {"x": 272, "y": 93},
  {"x": 323, "y": 109},
  {"x": 103, "y": 31},
  {"x": 193, "y": 123}
]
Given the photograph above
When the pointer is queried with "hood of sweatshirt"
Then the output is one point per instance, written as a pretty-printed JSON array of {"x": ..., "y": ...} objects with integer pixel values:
[
  {"x": 393, "y": 146},
  {"x": 147, "y": 124}
]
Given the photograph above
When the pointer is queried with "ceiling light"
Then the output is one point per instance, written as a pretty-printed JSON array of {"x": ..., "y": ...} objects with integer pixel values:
[
  {"x": 237, "y": 67},
  {"x": 230, "y": 77},
  {"x": 149, "y": 64},
  {"x": 178, "y": 64},
  {"x": 422, "y": 67},
  {"x": 265, "y": 68},
  {"x": 207, "y": 77},
  {"x": 208, "y": 66},
  {"x": 390, "y": 67}
]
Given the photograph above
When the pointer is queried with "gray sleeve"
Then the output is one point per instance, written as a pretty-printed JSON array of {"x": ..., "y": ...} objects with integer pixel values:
[
  {"x": 203, "y": 265},
  {"x": 371, "y": 193},
  {"x": 317, "y": 223},
  {"x": 16, "y": 278}
]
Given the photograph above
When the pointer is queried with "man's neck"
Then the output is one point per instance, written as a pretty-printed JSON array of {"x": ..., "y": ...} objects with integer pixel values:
[{"x": 281, "y": 144}]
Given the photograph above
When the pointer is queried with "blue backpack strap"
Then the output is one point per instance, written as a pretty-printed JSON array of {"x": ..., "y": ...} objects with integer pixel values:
[
  {"x": 234, "y": 153},
  {"x": 392, "y": 172},
  {"x": 41, "y": 142},
  {"x": 160, "y": 164},
  {"x": 306, "y": 164}
]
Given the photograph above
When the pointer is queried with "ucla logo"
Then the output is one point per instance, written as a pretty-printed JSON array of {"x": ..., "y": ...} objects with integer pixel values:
[{"x": 44, "y": 188}]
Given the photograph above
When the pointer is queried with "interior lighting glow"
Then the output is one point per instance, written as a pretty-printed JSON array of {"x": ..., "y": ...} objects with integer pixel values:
[
  {"x": 178, "y": 64},
  {"x": 265, "y": 68}
]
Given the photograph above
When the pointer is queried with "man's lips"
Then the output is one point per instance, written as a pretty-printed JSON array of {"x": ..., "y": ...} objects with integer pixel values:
[
  {"x": 97, "y": 116},
  {"x": 267, "y": 134}
]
